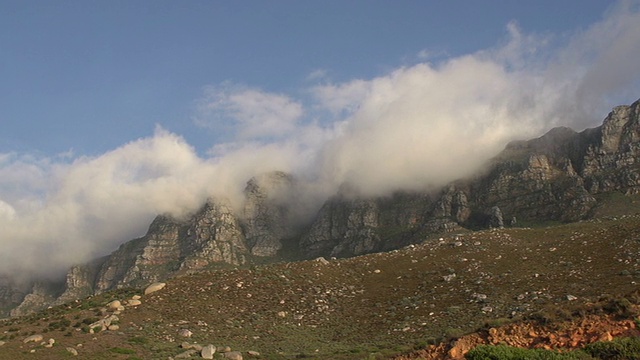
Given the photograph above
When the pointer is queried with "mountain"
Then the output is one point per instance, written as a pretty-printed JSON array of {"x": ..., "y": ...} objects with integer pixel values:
[{"x": 562, "y": 176}]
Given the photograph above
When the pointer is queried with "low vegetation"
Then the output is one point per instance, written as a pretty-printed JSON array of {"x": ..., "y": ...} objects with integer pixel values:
[{"x": 425, "y": 296}]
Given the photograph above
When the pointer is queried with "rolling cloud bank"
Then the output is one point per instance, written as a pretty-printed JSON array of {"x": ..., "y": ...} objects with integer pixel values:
[{"x": 415, "y": 127}]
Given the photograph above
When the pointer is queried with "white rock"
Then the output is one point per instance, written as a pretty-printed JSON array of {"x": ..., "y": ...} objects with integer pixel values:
[
  {"x": 208, "y": 351},
  {"x": 73, "y": 351},
  {"x": 34, "y": 338},
  {"x": 134, "y": 302},
  {"x": 154, "y": 287}
]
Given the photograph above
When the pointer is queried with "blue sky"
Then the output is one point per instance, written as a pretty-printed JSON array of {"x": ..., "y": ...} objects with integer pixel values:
[
  {"x": 112, "y": 112},
  {"x": 89, "y": 76}
]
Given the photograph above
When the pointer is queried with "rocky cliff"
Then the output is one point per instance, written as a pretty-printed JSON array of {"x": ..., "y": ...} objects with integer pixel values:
[
  {"x": 557, "y": 177},
  {"x": 561, "y": 176},
  {"x": 266, "y": 214}
]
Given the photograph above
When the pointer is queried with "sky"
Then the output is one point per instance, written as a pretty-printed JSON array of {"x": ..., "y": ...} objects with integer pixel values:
[{"x": 114, "y": 111}]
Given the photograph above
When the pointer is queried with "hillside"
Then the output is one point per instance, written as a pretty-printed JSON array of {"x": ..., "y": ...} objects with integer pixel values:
[
  {"x": 370, "y": 306},
  {"x": 563, "y": 176}
]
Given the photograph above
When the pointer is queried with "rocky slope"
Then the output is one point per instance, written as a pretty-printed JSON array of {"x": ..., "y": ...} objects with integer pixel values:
[
  {"x": 552, "y": 287},
  {"x": 562, "y": 176}
]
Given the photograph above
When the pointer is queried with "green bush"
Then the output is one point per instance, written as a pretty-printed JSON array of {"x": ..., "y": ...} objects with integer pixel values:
[
  {"x": 119, "y": 350},
  {"x": 503, "y": 352},
  {"x": 618, "y": 349},
  {"x": 139, "y": 340}
]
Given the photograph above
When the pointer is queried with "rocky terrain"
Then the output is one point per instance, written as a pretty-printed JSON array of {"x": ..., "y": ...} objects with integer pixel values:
[{"x": 549, "y": 287}]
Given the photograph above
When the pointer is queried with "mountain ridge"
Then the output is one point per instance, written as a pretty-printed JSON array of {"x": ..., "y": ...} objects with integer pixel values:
[{"x": 559, "y": 176}]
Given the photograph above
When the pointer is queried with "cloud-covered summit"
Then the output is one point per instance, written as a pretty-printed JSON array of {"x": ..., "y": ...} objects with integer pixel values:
[{"x": 414, "y": 127}]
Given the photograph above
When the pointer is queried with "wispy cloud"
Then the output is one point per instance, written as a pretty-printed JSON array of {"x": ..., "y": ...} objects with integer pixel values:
[{"x": 250, "y": 113}]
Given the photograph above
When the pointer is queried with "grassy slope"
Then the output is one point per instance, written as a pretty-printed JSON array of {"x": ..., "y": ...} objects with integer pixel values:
[{"x": 351, "y": 308}]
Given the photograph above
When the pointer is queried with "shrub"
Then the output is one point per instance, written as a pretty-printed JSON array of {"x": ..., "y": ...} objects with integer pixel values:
[
  {"x": 503, "y": 352},
  {"x": 138, "y": 340},
  {"x": 453, "y": 333},
  {"x": 621, "y": 307},
  {"x": 119, "y": 350},
  {"x": 618, "y": 349}
]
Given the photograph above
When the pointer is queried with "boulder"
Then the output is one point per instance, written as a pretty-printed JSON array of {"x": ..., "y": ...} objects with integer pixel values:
[
  {"x": 233, "y": 355},
  {"x": 134, "y": 302},
  {"x": 33, "y": 338},
  {"x": 154, "y": 287},
  {"x": 114, "y": 305},
  {"x": 208, "y": 351}
]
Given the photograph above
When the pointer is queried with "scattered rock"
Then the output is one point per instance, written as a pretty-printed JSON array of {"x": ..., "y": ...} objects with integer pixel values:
[
  {"x": 133, "y": 302},
  {"x": 49, "y": 343},
  {"x": 154, "y": 287},
  {"x": 233, "y": 355},
  {"x": 114, "y": 305},
  {"x": 33, "y": 338},
  {"x": 73, "y": 351},
  {"x": 448, "y": 278},
  {"x": 113, "y": 328},
  {"x": 208, "y": 351},
  {"x": 185, "y": 332},
  {"x": 322, "y": 260},
  {"x": 253, "y": 353},
  {"x": 2, "y": 343},
  {"x": 136, "y": 297},
  {"x": 605, "y": 337},
  {"x": 571, "y": 298},
  {"x": 103, "y": 324}
]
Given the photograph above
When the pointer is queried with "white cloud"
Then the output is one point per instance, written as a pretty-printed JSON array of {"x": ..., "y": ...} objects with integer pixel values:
[
  {"x": 6, "y": 211},
  {"x": 343, "y": 98},
  {"x": 250, "y": 113},
  {"x": 414, "y": 127}
]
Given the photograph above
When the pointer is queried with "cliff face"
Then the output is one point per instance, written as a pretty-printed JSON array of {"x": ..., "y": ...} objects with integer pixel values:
[
  {"x": 266, "y": 214},
  {"x": 560, "y": 176},
  {"x": 556, "y": 177},
  {"x": 171, "y": 246}
]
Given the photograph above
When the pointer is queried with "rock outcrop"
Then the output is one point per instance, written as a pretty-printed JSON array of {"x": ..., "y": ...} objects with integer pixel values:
[
  {"x": 42, "y": 294},
  {"x": 12, "y": 293},
  {"x": 171, "y": 246},
  {"x": 560, "y": 176},
  {"x": 265, "y": 212}
]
